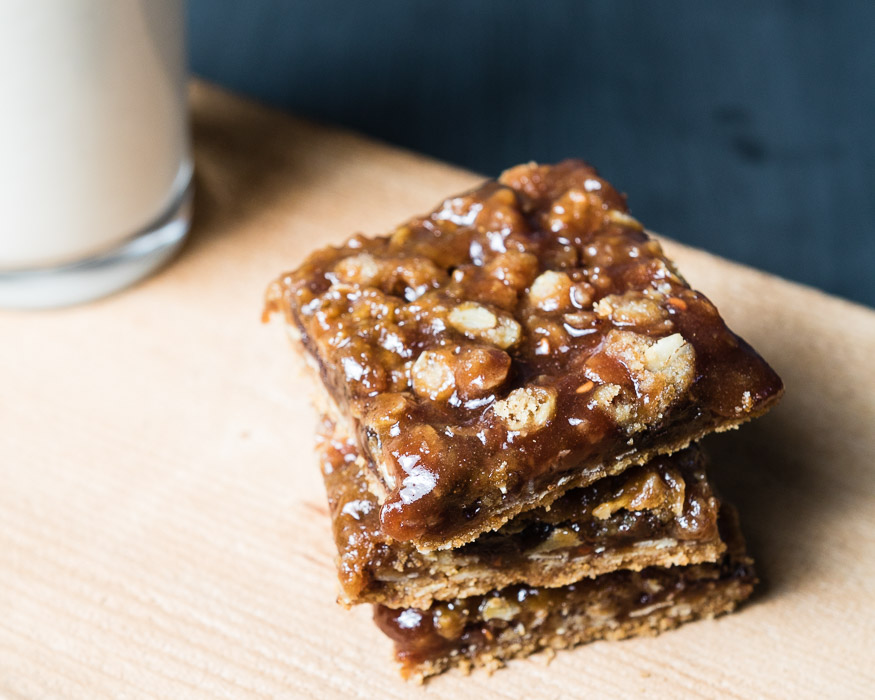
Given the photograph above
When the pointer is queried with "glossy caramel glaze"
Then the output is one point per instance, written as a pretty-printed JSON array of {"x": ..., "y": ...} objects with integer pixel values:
[{"x": 489, "y": 351}]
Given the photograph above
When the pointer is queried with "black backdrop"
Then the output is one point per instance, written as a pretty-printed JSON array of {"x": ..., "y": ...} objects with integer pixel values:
[{"x": 747, "y": 127}]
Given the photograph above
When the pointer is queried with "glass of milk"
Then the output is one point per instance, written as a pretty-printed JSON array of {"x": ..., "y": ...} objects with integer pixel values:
[{"x": 95, "y": 158}]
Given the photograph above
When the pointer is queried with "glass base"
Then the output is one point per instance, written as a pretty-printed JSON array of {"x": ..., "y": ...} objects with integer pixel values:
[{"x": 103, "y": 274}]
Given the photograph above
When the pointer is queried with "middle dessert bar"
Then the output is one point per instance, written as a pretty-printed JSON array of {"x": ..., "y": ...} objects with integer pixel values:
[
  {"x": 521, "y": 340},
  {"x": 659, "y": 514}
]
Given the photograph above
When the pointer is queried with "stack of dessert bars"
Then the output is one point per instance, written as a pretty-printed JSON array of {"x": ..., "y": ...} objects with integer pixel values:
[{"x": 515, "y": 385}]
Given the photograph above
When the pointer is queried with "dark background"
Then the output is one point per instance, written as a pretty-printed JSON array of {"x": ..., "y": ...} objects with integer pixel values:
[{"x": 746, "y": 128}]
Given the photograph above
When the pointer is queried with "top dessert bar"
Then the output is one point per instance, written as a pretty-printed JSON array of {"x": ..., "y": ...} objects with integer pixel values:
[{"x": 521, "y": 340}]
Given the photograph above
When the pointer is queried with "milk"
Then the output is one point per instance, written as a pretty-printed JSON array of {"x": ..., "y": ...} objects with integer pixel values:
[{"x": 94, "y": 145}]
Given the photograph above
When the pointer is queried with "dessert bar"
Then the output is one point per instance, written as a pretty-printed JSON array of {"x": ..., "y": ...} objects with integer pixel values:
[
  {"x": 520, "y": 341},
  {"x": 662, "y": 513},
  {"x": 485, "y": 631},
  {"x": 515, "y": 384}
]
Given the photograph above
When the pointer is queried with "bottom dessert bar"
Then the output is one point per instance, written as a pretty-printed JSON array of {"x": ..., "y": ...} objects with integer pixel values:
[{"x": 485, "y": 631}]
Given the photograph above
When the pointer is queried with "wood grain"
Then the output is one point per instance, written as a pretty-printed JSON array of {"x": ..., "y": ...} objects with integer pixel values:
[{"x": 162, "y": 523}]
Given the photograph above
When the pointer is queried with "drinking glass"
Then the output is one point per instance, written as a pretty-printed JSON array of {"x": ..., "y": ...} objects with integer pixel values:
[{"x": 95, "y": 156}]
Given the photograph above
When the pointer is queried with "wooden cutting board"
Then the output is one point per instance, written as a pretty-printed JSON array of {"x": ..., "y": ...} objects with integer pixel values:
[{"x": 164, "y": 532}]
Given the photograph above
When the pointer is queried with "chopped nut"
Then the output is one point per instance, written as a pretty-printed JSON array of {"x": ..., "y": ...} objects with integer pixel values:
[
  {"x": 433, "y": 376},
  {"x": 662, "y": 370},
  {"x": 506, "y": 334},
  {"x": 400, "y": 237},
  {"x": 527, "y": 409},
  {"x": 385, "y": 410},
  {"x": 408, "y": 277},
  {"x": 551, "y": 291},
  {"x": 603, "y": 511},
  {"x": 415, "y": 277},
  {"x": 605, "y": 397},
  {"x": 540, "y": 328},
  {"x": 470, "y": 371},
  {"x": 581, "y": 294},
  {"x": 416, "y": 455},
  {"x": 515, "y": 269},
  {"x": 449, "y": 622},
  {"x": 647, "y": 491},
  {"x": 401, "y": 377},
  {"x": 660, "y": 357},
  {"x": 499, "y": 609},
  {"x": 469, "y": 317},
  {"x": 480, "y": 370},
  {"x": 583, "y": 388},
  {"x": 477, "y": 321},
  {"x": 559, "y": 538},
  {"x": 460, "y": 211},
  {"x": 563, "y": 257},
  {"x": 580, "y": 320},
  {"x": 606, "y": 393},
  {"x": 373, "y": 379},
  {"x": 624, "y": 219},
  {"x": 362, "y": 269},
  {"x": 631, "y": 309},
  {"x": 500, "y": 213},
  {"x": 575, "y": 208}
]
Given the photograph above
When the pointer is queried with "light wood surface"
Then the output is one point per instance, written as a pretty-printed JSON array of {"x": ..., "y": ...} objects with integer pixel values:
[{"x": 163, "y": 531}]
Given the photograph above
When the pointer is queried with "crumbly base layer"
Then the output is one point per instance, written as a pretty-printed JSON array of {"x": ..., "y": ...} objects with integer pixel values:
[
  {"x": 704, "y": 602},
  {"x": 487, "y": 631}
]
